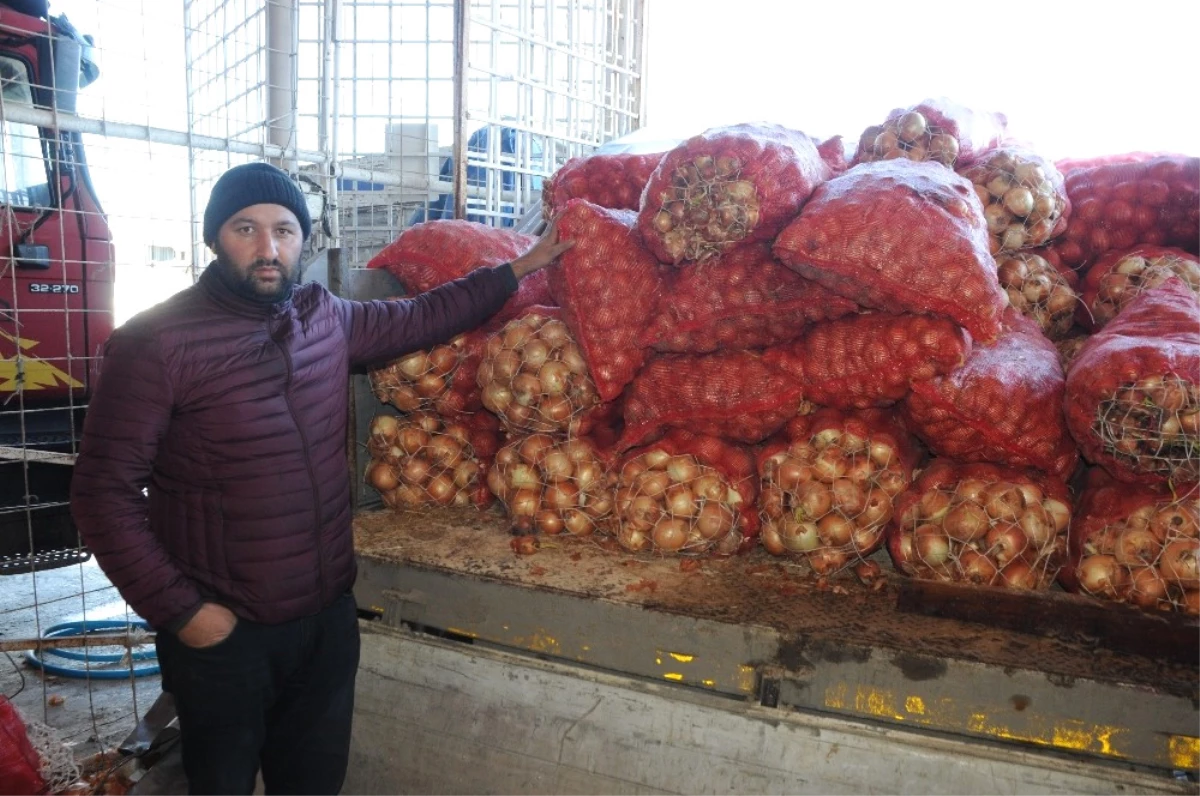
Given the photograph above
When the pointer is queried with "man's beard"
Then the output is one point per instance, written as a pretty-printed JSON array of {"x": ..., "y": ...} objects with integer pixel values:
[{"x": 248, "y": 287}]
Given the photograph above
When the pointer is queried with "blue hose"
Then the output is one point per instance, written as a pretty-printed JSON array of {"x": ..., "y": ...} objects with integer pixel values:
[{"x": 83, "y": 629}]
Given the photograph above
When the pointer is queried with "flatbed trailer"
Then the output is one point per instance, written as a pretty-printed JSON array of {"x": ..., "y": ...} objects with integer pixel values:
[{"x": 584, "y": 669}]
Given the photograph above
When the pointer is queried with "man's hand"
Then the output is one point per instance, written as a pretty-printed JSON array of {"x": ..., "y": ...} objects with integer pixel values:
[
  {"x": 211, "y": 625},
  {"x": 545, "y": 251}
]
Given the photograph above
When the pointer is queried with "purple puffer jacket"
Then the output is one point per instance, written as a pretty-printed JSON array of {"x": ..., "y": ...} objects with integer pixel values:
[{"x": 232, "y": 416}]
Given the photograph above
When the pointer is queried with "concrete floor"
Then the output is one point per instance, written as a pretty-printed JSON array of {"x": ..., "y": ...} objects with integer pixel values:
[{"x": 89, "y": 714}]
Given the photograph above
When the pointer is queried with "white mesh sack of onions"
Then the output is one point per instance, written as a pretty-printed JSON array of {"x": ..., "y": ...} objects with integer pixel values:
[
  {"x": 1116, "y": 277},
  {"x": 687, "y": 494},
  {"x": 725, "y": 186},
  {"x": 828, "y": 489},
  {"x": 1138, "y": 544},
  {"x": 1039, "y": 291},
  {"x": 440, "y": 379},
  {"x": 1023, "y": 195},
  {"x": 983, "y": 524},
  {"x": 939, "y": 130},
  {"x": 552, "y": 485},
  {"x": 1133, "y": 390},
  {"x": 421, "y": 460},
  {"x": 534, "y": 376}
]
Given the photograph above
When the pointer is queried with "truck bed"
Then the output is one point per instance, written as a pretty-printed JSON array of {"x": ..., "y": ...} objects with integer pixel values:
[{"x": 766, "y": 630}]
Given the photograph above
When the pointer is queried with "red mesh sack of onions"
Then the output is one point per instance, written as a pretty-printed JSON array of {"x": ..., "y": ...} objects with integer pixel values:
[
  {"x": 615, "y": 181},
  {"x": 1004, "y": 405},
  {"x": 902, "y": 237},
  {"x": 534, "y": 377},
  {"x": 938, "y": 130},
  {"x": 726, "y": 186},
  {"x": 737, "y": 395},
  {"x": 1137, "y": 544},
  {"x": 1023, "y": 195},
  {"x": 1117, "y": 276},
  {"x": 550, "y": 485},
  {"x": 1133, "y": 391},
  {"x": 441, "y": 379},
  {"x": 687, "y": 493},
  {"x": 1040, "y": 291},
  {"x": 827, "y": 491},
  {"x": 608, "y": 286},
  {"x": 1118, "y": 205},
  {"x": 870, "y": 359},
  {"x": 422, "y": 460},
  {"x": 742, "y": 299},
  {"x": 982, "y": 523},
  {"x": 435, "y": 252}
]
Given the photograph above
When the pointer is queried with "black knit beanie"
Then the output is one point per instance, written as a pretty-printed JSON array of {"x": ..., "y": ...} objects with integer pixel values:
[{"x": 252, "y": 184}]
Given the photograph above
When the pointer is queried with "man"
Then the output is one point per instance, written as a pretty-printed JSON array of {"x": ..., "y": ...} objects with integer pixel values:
[{"x": 211, "y": 483}]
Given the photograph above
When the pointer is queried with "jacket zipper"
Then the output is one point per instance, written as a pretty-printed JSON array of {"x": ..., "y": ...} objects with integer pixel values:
[{"x": 312, "y": 476}]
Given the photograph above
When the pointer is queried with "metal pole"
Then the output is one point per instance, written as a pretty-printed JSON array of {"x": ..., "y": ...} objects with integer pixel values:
[
  {"x": 462, "y": 27},
  {"x": 281, "y": 79}
]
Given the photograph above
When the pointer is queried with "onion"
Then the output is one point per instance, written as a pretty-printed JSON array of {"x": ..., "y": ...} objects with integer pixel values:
[
  {"x": 441, "y": 489},
  {"x": 827, "y": 561},
  {"x": 682, "y": 469},
  {"x": 415, "y": 471},
  {"x": 800, "y": 537},
  {"x": 813, "y": 499},
  {"x": 669, "y": 534},
  {"x": 714, "y": 521},
  {"x": 497, "y": 397},
  {"x": 535, "y": 353},
  {"x": 554, "y": 333},
  {"x": 533, "y": 447},
  {"x": 653, "y": 483},
  {"x": 931, "y": 546},
  {"x": 709, "y": 486},
  {"x": 1059, "y": 514},
  {"x": 523, "y": 476},
  {"x": 771, "y": 541},
  {"x": 518, "y": 333},
  {"x": 578, "y": 523},
  {"x": 1003, "y": 501},
  {"x": 892, "y": 481},
  {"x": 1147, "y": 589},
  {"x": 933, "y": 505},
  {"x": 1037, "y": 526},
  {"x": 524, "y": 503},
  {"x": 573, "y": 359},
  {"x": 835, "y": 530},
  {"x": 1137, "y": 547},
  {"x": 598, "y": 507},
  {"x": 1101, "y": 576},
  {"x": 505, "y": 366},
  {"x": 412, "y": 439},
  {"x": 1179, "y": 563},
  {"x": 1019, "y": 575},
  {"x": 561, "y": 496},
  {"x": 966, "y": 522},
  {"x": 848, "y": 496},
  {"x": 977, "y": 568},
  {"x": 1005, "y": 542},
  {"x": 578, "y": 450},
  {"x": 497, "y": 485},
  {"x": 656, "y": 459},
  {"x": 414, "y": 366},
  {"x": 556, "y": 466},
  {"x": 381, "y": 477},
  {"x": 430, "y": 385},
  {"x": 633, "y": 539},
  {"x": 1190, "y": 603},
  {"x": 587, "y": 474},
  {"x": 443, "y": 359},
  {"x": 548, "y": 522},
  {"x": 466, "y": 473},
  {"x": 680, "y": 501},
  {"x": 384, "y": 426},
  {"x": 971, "y": 489},
  {"x": 643, "y": 512},
  {"x": 1172, "y": 521},
  {"x": 557, "y": 409},
  {"x": 866, "y": 538},
  {"x": 445, "y": 450},
  {"x": 882, "y": 453},
  {"x": 860, "y": 470},
  {"x": 877, "y": 511},
  {"x": 555, "y": 378}
]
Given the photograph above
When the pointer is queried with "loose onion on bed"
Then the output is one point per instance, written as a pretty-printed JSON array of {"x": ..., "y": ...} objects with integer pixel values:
[
  {"x": 533, "y": 375},
  {"x": 830, "y": 493},
  {"x": 421, "y": 460}
]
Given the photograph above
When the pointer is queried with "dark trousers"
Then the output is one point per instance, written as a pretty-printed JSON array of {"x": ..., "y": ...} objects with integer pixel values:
[{"x": 279, "y": 696}]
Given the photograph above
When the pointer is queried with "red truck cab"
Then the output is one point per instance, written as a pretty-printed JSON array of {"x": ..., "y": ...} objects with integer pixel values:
[{"x": 56, "y": 276}]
